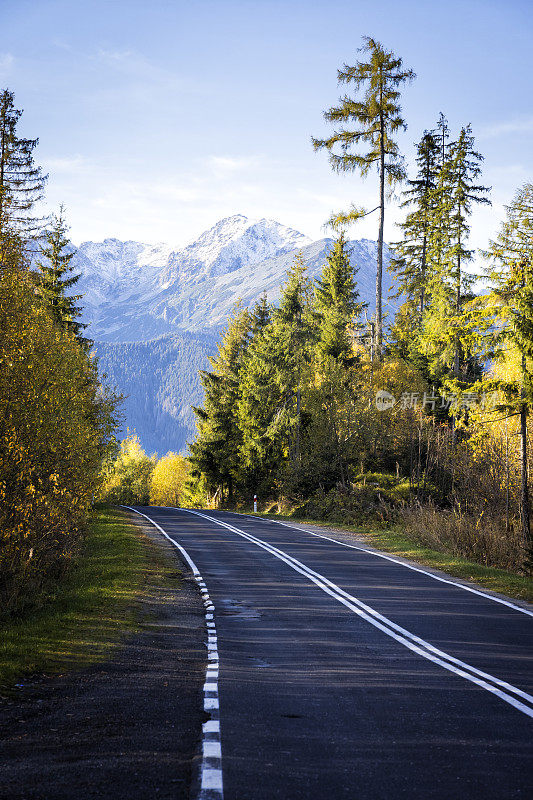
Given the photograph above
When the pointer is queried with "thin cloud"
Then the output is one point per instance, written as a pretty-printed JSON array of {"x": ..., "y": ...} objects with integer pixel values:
[
  {"x": 73, "y": 165},
  {"x": 139, "y": 69},
  {"x": 6, "y": 64},
  {"x": 223, "y": 166},
  {"x": 507, "y": 128}
]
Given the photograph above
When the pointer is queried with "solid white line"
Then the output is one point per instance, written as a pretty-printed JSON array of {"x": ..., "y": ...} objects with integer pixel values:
[
  {"x": 211, "y": 786},
  {"x": 401, "y": 635},
  {"x": 377, "y": 553}
]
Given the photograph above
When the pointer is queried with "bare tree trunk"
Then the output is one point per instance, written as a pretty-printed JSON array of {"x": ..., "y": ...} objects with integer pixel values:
[
  {"x": 524, "y": 494},
  {"x": 457, "y": 354},
  {"x": 507, "y": 525},
  {"x": 2, "y": 192},
  {"x": 379, "y": 271},
  {"x": 423, "y": 276},
  {"x": 298, "y": 403}
]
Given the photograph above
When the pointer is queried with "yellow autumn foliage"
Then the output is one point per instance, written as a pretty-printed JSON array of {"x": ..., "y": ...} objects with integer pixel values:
[
  {"x": 169, "y": 479},
  {"x": 56, "y": 423},
  {"x": 128, "y": 478}
]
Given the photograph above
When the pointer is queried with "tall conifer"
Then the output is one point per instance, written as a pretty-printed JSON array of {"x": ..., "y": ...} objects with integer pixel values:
[
  {"x": 337, "y": 303},
  {"x": 510, "y": 324},
  {"x": 21, "y": 182},
  {"x": 270, "y": 404},
  {"x": 378, "y": 118},
  {"x": 445, "y": 335},
  {"x": 56, "y": 277},
  {"x": 215, "y": 453},
  {"x": 409, "y": 263}
]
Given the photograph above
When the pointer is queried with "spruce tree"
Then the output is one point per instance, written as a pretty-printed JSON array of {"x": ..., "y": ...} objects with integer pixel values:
[
  {"x": 260, "y": 315},
  {"x": 445, "y": 335},
  {"x": 509, "y": 323},
  {"x": 337, "y": 304},
  {"x": 443, "y": 135},
  {"x": 377, "y": 118},
  {"x": 215, "y": 453},
  {"x": 21, "y": 183},
  {"x": 409, "y": 263},
  {"x": 293, "y": 326},
  {"x": 338, "y": 309},
  {"x": 259, "y": 408},
  {"x": 56, "y": 276},
  {"x": 466, "y": 169},
  {"x": 273, "y": 379}
]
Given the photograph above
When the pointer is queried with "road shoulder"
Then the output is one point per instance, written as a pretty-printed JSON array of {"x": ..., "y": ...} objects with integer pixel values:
[{"x": 129, "y": 726}]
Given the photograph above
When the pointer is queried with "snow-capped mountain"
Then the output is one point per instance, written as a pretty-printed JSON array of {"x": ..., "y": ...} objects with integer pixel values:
[
  {"x": 154, "y": 311},
  {"x": 135, "y": 292}
]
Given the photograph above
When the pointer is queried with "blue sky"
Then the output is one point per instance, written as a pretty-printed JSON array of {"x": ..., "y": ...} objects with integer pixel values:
[{"x": 158, "y": 118}]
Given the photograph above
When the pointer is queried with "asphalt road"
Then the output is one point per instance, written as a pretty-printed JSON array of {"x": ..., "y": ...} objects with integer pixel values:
[{"x": 340, "y": 674}]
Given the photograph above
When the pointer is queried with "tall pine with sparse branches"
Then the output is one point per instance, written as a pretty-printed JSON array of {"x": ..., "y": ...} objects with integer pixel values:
[{"x": 372, "y": 120}]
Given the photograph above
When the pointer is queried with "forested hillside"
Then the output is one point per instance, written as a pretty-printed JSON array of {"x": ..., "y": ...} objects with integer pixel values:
[{"x": 159, "y": 381}]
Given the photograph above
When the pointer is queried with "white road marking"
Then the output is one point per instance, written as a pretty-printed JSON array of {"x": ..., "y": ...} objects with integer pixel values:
[
  {"x": 484, "y": 680},
  {"x": 212, "y": 749},
  {"x": 211, "y": 782},
  {"x": 211, "y": 785},
  {"x": 471, "y": 589}
]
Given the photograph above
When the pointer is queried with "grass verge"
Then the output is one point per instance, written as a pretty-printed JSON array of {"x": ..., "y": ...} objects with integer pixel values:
[
  {"x": 396, "y": 540},
  {"x": 92, "y": 609}
]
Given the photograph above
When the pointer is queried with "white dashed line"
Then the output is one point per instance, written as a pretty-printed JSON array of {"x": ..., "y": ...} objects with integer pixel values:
[{"x": 211, "y": 787}]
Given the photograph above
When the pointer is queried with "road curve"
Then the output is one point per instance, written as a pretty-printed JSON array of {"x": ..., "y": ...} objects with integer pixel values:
[{"x": 343, "y": 675}]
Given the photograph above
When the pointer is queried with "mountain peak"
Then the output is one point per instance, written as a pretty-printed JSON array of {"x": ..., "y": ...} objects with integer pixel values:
[
  {"x": 135, "y": 291},
  {"x": 234, "y": 242}
]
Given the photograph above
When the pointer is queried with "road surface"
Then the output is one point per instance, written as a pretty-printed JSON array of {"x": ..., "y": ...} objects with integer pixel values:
[{"x": 338, "y": 674}]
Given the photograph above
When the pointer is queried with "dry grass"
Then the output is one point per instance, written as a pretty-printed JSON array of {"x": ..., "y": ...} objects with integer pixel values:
[{"x": 475, "y": 537}]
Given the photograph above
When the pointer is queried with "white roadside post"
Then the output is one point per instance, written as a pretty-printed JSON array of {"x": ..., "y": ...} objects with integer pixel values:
[{"x": 255, "y": 504}]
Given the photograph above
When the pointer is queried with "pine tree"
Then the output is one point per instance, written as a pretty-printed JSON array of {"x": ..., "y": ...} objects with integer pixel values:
[
  {"x": 510, "y": 324},
  {"x": 21, "y": 182},
  {"x": 409, "y": 263},
  {"x": 56, "y": 278},
  {"x": 378, "y": 118},
  {"x": 259, "y": 408},
  {"x": 293, "y": 327},
  {"x": 337, "y": 304},
  {"x": 215, "y": 453},
  {"x": 273, "y": 377},
  {"x": 260, "y": 315},
  {"x": 465, "y": 169},
  {"x": 443, "y": 134},
  {"x": 446, "y": 336},
  {"x": 338, "y": 310}
]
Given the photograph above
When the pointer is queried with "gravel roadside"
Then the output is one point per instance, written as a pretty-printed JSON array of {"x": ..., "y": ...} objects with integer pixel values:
[{"x": 127, "y": 728}]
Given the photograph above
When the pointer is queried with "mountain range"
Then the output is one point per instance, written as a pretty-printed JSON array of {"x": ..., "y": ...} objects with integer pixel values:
[{"x": 155, "y": 311}]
